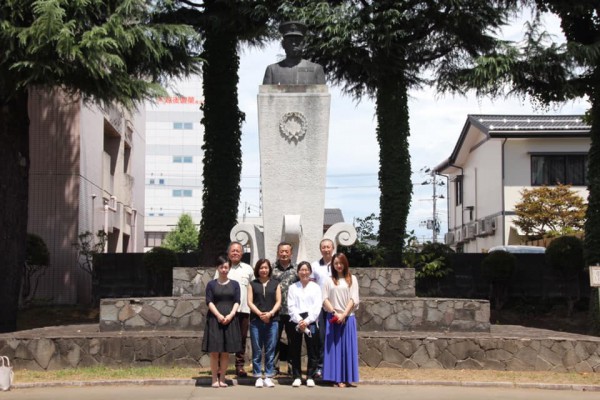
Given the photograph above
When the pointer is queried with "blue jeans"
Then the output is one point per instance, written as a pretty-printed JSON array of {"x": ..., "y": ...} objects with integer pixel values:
[{"x": 263, "y": 337}]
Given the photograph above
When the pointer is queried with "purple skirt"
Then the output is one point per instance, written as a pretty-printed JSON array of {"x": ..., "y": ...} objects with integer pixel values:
[{"x": 340, "y": 362}]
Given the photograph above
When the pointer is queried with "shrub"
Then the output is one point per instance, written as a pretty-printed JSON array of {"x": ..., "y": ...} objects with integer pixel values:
[
  {"x": 36, "y": 262},
  {"x": 159, "y": 263},
  {"x": 432, "y": 264},
  {"x": 498, "y": 268},
  {"x": 565, "y": 255}
]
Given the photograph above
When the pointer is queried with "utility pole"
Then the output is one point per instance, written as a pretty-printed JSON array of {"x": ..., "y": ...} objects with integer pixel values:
[{"x": 434, "y": 222}]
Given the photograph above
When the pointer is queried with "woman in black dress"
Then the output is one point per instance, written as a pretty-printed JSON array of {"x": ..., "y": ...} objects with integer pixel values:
[{"x": 222, "y": 331}]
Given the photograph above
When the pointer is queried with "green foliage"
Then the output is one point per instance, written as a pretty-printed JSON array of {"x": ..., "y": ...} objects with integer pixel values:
[
  {"x": 550, "y": 211},
  {"x": 565, "y": 254},
  {"x": 160, "y": 259},
  {"x": 37, "y": 260},
  {"x": 159, "y": 262},
  {"x": 381, "y": 49},
  {"x": 434, "y": 264},
  {"x": 498, "y": 268},
  {"x": 365, "y": 252},
  {"x": 184, "y": 237}
]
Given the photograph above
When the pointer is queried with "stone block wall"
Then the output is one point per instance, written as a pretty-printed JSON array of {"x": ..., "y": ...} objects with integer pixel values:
[
  {"x": 423, "y": 314},
  {"x": 152, "y": 313},
  {"x": 384, "y": 282}
]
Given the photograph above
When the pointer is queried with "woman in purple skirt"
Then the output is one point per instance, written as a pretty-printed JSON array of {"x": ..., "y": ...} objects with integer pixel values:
[{"x": 340, "y": 300}]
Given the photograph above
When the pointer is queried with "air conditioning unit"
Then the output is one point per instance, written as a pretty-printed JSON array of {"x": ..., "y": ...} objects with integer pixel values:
[
  {"x": 458, "y": 236},
  {"x": 449, "y": 238},
  {"x": 470, "y": 231},
  {"x": 481, "y": 231},
  {"x": 490, "y": 225}
]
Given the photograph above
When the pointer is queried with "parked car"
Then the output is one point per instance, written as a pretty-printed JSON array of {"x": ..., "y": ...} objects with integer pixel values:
[{"x": 519, "y": 249}]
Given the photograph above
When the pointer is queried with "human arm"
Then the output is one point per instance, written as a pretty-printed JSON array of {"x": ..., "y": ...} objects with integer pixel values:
[{"x": 292, "y": 303}]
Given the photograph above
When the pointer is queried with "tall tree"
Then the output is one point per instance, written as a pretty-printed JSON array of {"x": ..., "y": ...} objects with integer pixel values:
[
  {"x": 382, "y": 49},
  {"x": 102, "y": 50},
  {"x": 225, "y": 26},
  {"x": 184, "y": 237}
]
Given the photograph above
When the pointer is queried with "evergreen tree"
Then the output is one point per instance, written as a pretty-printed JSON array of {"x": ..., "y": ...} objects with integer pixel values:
[
  {"x": 101, "y": 50},
  {"x": 184, "y": 237},
  {"x": 381, "y": 49},
  {"x": 225, "y": 25}
]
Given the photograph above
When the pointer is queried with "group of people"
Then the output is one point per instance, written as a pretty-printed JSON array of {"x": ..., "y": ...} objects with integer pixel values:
[{"x": 314, "y": 303}]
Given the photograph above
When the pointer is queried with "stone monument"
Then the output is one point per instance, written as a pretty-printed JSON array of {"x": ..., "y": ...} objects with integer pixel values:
[{"x": 293, "y": 119}]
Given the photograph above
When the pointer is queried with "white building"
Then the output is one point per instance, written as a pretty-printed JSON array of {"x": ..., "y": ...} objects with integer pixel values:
[
  {"x": 495, "y": 158},
  {"x": 174, "y": 138},
  {"x": 86, "y": 174}
]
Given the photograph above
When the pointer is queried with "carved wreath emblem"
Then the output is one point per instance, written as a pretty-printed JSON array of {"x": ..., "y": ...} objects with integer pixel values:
[{"x": 293, "y": 126}]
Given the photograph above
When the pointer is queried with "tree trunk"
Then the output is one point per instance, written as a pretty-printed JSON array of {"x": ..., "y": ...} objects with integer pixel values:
[
  {"x": 222, "y": 138},
  {"x": 394, "y": 166},
  {"x": 14, "y": 153}
]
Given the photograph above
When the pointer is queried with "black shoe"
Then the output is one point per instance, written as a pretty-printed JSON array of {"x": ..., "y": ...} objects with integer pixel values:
[
  {"x": 317, "y": 374},
  {"x": 240, "y": 373}
]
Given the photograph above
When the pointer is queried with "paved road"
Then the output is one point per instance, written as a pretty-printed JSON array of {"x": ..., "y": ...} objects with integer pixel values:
[{"x": 370, "y": 392}]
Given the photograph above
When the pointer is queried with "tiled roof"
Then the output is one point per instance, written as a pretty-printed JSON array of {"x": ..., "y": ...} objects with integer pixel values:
[
  {"x": 332, "y": 216},
  {"x": 530, "y": 125}
]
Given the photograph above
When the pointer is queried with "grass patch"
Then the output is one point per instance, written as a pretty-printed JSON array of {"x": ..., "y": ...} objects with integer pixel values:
[{"x": 366, "y": 373}]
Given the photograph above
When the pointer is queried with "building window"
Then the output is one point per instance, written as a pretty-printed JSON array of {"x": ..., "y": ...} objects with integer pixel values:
[
  {"x": 553, "y": 169},
  {"x": 182, "y": 193},
  {"x": 161, "y": 181},
  {"x": 458, "y": 189},
  {"x": 152, "y": 181},
  {"x": 154, "y": 239},
  {"x": 183, "y": 159},
  {"x": 183, "y": 125}
]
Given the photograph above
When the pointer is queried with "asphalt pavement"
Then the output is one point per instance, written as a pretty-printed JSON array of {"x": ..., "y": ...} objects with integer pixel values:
[{"x": 361, "y": 392}]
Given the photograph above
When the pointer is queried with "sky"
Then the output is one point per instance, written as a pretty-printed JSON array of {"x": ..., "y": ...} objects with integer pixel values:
[{"x": 353, "y": 153}]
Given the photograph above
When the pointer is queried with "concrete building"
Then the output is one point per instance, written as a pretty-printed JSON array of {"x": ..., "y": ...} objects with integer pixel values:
[
  {"x": 495, "y": 158},
  {"x": 173, "y": 176},
  {"x": 87, "y": 165}
]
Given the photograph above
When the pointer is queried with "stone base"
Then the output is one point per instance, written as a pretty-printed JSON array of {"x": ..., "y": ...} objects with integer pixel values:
[
  {"x": 374, "y": 314},
  {"x": 504, "y": 348},
  {"x": 423, "y": 314},
  {"x": 152, "y": 313}
]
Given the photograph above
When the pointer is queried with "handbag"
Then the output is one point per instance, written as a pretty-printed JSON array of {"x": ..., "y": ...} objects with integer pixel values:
[{"x": 6, "y": 373}]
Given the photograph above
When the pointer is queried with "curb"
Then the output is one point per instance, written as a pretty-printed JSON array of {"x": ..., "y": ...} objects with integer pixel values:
[{"x": 405, "y": 382}]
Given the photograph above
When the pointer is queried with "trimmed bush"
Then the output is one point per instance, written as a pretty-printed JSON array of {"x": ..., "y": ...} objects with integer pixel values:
[
  {"x": 565, "y": 254},
  {"x": 159, "y": 262},
  {"x": 498, "y": 268}
]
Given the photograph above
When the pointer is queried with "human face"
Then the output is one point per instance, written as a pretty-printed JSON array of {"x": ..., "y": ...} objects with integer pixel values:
[
  {"x": 235, "y": 253},
  {"x": 263, "y": 271},
  {"x": 304, "y": 273},
  {"x": 292, "y": 44},
  {"x": 339, "y": 267},
  {"x": 327, "y": 250},
  {"x": 223, "y": 270},
  {"x": 284, "y": 254}
]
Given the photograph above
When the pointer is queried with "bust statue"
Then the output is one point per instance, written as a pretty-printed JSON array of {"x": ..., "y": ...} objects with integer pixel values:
[{"x": 293, "y": 70}]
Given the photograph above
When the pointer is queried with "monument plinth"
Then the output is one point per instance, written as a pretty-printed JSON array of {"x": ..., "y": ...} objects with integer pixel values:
[{"x": 293, "y": 125}]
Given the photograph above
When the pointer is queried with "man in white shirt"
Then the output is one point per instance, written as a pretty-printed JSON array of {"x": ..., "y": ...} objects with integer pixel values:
[
  {"x": 321, "y": 272},
  {"x": 243, "y": 274}
]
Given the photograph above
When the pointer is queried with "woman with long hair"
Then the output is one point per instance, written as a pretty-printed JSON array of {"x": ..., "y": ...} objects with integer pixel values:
[
  {"x": 304, "y": 305},
  {"x": 222, "y": 331},
  {"x": 340, "y": 300},
  {"x": 264, "y": 300}
]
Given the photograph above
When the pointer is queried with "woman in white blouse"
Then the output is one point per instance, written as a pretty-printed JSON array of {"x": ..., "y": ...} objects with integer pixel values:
[
  {"x": 340, "y": 300},
  {"x": 304, "y": 306}
]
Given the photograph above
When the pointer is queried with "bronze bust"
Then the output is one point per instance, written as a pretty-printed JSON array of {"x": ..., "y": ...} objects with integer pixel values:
[{"x": 293, "y": 70}]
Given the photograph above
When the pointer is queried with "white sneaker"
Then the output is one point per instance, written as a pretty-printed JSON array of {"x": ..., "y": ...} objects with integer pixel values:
[
  {"x": 310, "y": 383},
  {"x": 269, "y": 383},
  {"x": 297, "y": 382},
  {"x": 259, "y": 383}
]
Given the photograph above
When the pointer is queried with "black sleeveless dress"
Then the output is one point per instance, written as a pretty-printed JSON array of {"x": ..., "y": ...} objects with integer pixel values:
[{"x": 217, "y": 337}]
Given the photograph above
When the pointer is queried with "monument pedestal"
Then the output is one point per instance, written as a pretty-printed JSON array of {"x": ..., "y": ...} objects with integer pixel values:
[{"x": 293, "y": 125}]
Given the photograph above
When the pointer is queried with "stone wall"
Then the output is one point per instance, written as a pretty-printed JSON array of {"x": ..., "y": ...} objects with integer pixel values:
[
  {"x": 544, "y": 351},
  {"x": 152, "y": 313},
  {"x": 423, "y": 314},
  {"x": 385, "y": 282}
]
